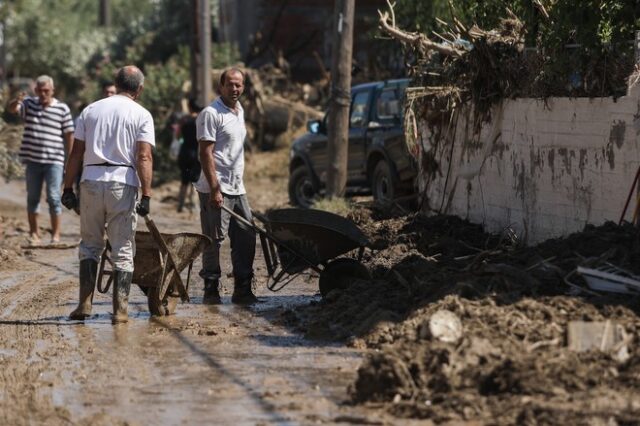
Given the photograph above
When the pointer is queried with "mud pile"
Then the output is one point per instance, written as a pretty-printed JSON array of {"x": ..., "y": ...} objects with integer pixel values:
[
  {"x": 10, "y": 136},
  {"x": 511, "y": 363}
]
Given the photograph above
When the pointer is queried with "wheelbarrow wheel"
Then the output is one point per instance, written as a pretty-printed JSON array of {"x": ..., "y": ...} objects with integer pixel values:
[
  {"x": 340, "y": 273},
  {"x": 161, "y": 307}
]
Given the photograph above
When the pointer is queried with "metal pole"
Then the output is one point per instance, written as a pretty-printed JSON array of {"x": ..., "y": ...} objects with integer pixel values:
[
  {"x": 205, "y": 52},
  {"x": 338, "y": 143},
  {"x": 194, "y": 62},
  {"x": 105, "y": 14}
]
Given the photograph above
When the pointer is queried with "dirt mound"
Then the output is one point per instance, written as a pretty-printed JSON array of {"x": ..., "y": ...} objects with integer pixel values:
[{"x": 512, "y": 364}]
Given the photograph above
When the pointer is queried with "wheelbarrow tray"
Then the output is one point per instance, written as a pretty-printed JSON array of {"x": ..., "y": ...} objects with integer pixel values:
[
  {"x": 148, "y": 261},
  {"x": 158, "y": 261},
  {"x": 311, "y": 236}
]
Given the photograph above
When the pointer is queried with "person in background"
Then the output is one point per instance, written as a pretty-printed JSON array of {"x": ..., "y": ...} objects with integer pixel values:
[
  {"x": 221, "y": 132},
  {"x": 113, "y": 149},
  {"x": 188, "y": 155},
  {"x": 46, "y": 142},
  {"x": 108, "y": 89}
]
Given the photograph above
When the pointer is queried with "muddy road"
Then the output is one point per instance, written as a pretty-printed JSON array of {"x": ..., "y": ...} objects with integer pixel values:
[
  {"x": 205, "y": 365},
  {"x": 363, "y": 355}
]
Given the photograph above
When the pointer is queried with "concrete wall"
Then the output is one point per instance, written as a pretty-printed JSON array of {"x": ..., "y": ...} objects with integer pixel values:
[{"x": 542, "y": 168}]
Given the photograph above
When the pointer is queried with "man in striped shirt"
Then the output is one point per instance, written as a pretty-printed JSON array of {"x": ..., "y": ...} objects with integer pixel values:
[{"x": 47, "y": 139}]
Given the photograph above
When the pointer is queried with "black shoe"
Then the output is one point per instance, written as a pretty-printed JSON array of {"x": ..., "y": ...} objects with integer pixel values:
[
  {"x": 244, "y": 298},
  {"x": 243, "y": 294},
  {"x": 211, "y": 293}
]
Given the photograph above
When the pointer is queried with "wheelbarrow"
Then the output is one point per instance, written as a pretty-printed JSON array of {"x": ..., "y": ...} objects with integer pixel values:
[
  {"x": 157, "y": 264},
  {"x": 294, "y": 240}
]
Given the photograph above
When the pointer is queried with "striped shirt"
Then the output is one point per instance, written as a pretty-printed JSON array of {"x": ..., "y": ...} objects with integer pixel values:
[{"x": 42, "y": 140}]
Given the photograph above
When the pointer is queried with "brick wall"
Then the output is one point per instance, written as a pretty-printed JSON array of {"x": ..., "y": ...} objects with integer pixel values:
[{"x": 542, "y": 168}]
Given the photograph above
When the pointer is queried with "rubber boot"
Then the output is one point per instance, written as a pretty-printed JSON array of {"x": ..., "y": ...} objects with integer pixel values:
[
  {"x": 121, "y": 288},
  {"x": 211, "y": 293},
  {"x": 88, "y": 270},
  {"x": 242, "y": 292}
]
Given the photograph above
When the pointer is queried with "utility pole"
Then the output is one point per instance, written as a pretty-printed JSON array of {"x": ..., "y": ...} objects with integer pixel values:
[
  {"x": 104, "y": 14},
  {"x": 338, "y": 144},
  {"x": 205, "y": 52},
  {"x": 200, "y": 51}
]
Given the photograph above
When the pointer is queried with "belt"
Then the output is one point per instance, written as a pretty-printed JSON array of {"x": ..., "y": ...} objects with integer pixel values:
[{"x": 109, "y": 165}]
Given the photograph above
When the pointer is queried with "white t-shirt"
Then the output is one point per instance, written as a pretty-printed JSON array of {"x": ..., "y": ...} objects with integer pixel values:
[
  {"x": 110, "y": 128},
  {"x": 219, "y": 124}
]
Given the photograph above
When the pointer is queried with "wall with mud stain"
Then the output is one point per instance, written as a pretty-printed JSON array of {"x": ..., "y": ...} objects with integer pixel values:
[{"x": 542, "y": 168}]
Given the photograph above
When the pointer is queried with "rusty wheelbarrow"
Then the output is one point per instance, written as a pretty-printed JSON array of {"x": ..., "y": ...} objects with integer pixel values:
[
  {"x": 294, "y": 240},
  {"x": 157, "y": 264}
]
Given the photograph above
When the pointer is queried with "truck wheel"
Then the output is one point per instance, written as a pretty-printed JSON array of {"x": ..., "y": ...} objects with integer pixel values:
[
  {"x": 383, "y": 183},
  {"x": 340, "y": 273},
  {"x": 302, "y": 190}
]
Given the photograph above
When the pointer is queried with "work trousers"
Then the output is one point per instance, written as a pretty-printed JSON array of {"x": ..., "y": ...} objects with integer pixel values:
[
  {"x": 110, "y": 204},
  {"x": 216, "y": 224}
]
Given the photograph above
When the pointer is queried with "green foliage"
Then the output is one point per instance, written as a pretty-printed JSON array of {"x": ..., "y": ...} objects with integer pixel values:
[
  {"x": 42, "y": 38},
  {"x": 601, "y": 30},
  {"x": 62, "y": 38}
]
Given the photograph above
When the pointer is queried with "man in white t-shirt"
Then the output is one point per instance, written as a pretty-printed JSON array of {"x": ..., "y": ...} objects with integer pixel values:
[
  {"x": 220, "y": 131},
  {"x": 113, "y": 147}
]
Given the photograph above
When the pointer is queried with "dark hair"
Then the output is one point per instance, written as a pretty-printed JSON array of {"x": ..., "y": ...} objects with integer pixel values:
[
  {"x": 129, "y": 79},
  {"x": 107, "y": 83},
  {"x": 223, "y": 76},
  {"x": 194, "y": 106}
]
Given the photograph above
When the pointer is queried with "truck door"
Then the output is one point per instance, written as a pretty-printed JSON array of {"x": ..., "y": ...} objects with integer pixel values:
[
  {"x": 358, "y": 121},
  {"x": 318, "y": 151}
]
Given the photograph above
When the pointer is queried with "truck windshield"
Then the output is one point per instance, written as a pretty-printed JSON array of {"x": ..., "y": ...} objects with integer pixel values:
[
  {"x": 388, "y": 104},
  {"x": 359, "y": 105}
]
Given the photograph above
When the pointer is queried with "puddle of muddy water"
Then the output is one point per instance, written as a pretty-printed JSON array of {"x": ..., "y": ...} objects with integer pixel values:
[{"x": 180, "y": 376}]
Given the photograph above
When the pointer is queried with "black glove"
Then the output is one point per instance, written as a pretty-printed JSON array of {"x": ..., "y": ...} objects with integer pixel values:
[
  {"x": 69, "y": 199},
  {"x": 143, "y": 208}
]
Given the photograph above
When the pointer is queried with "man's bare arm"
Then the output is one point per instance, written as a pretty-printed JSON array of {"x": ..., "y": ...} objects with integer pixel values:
[
  {"x": 208, "y": 163},
  {"x": 144, "y": 166},
  {"x": 14, "y": 105},
  {"x": 68, "y": 144},
  {"x": 74, "y": 164}
]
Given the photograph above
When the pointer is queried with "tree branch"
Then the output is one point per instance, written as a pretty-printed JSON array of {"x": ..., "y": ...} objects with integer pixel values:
[{"x": 415, "y": 39}]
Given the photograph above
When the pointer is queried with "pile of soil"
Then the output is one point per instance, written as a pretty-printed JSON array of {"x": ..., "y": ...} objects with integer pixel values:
[{"x": 512, "y": 364}]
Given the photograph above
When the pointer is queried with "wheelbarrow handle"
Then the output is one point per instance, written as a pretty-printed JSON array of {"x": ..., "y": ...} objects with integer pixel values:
[{"x": 244, "y": 223}]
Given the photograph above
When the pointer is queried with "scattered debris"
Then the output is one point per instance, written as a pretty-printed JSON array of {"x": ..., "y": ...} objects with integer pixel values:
[
  {"x": 511, "y": 364},
  {"x": 604, "y": 336},
  {"x": 445, "y": 326}
]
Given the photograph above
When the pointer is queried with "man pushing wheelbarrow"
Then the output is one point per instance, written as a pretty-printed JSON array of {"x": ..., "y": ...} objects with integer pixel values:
[{"x": 113, "y": 148}]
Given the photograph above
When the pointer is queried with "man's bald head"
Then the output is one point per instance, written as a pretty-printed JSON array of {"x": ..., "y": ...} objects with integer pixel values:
[{"x": 129, "y": 79}]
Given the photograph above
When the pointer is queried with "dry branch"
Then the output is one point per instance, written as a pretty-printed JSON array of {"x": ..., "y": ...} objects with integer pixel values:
[{"x": 417, "y": 40}]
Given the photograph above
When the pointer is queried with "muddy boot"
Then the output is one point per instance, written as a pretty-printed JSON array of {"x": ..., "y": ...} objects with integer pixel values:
[
  {"x": 211, "y": 293},
  {"x": 121, "y": 288},
  {"x": 88, "y": 269},
  {"x": 242, "y": 292}
]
